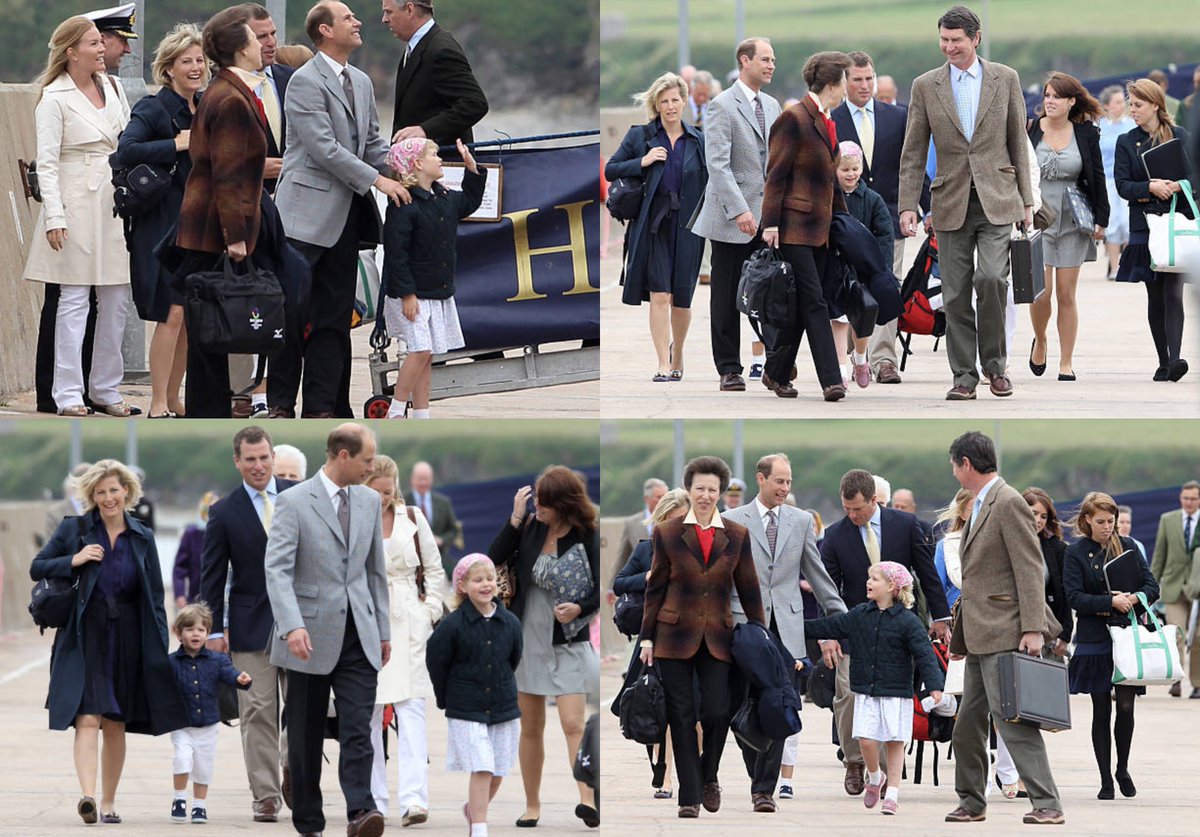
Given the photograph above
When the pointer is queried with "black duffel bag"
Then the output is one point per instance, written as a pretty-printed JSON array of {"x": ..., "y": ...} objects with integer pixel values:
[
  {"x": 625, "y": 196},
  {"x": 52, "y": 601},
  {"x": 643, "y": 710},
  {"x": 230, "y": 314},
  {"x": 767, "y": 289}
]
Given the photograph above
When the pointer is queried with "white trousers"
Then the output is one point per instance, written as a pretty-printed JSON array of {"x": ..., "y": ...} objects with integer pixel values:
[
  {"x": 1006, "y": 771},
  {"x": 195, "y": 752},
  {"x": 411, "y": 757},
  {"x": 108, "y": 366}
]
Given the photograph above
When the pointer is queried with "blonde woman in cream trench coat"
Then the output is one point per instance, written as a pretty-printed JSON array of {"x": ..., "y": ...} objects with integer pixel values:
[
  {"x": 75, "y": 137},
  {"x": 404, "y": 681}
]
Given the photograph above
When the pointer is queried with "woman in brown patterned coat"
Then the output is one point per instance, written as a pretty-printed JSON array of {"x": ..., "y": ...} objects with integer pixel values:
[{"x": 688, "y": 625}]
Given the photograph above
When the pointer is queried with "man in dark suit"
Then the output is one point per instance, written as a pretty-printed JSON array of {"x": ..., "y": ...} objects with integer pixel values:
[
  {"x": 439, "y": 511},
  {"x": 272, "y": 90},
  {"x": 879, "y": 129},
  {"x": 868, "y": 534},
  {"x": 236, "y": 536},
  {"x": 437, "y": 96}
]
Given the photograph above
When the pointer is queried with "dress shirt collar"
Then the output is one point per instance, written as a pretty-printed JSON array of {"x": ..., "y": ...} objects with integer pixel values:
[
  {"x": 271, "y": 490},
  {"x": 715, "y": 523},
  {"x": 762, "y": 511},
  {"x": 252, "y": 80},
  {"x": 331, "y": 487},
  {"x": 817, "y": 101},
  {"x": 333, "y": 63},
  {"x": 973, "y": 71},
  {"x": 876, "y": 519},
  {"x": 869, "y": 107},
  {"x": 982, "y": 494},
  {"x": 748, "y": 93},
  {"x": 418, "y": 35}
]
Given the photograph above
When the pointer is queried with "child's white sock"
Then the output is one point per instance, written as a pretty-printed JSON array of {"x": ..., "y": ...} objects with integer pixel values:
[
  {"x": 892, "y": 794},
  {"x": 181, "y": 795},
  {"x": 396, "y": 410},
  {"x": 199, "y": 803},
  {"x": 857, "y": 358},
  {"x": 875, "y": 778},
  {"x": 479, "y": 829},
  {"x": 258, "y": 398},
  {"x": 420, "y": 414}
]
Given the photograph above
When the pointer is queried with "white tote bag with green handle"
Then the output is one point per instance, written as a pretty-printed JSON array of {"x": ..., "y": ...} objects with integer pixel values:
[
  {"x": 1145, "y": 657},
  {"x": 1175, "y": 238}
]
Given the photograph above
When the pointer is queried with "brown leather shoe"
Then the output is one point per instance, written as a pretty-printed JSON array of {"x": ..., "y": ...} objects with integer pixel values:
[
  {"x": 689, "y": 812},
  {"x": 887, "y": 373},
  {"x": 782, "y": 390},
  {"x": 853, "y": 783},
  {"x": 366, "y": 824},
  {"x": 1175, "y": 690},
  {"x": 763, "y": 803},
  {"x": 1000, "y": 386},
  {"x": 732, "y": 382},
  {"x": 321, "y": 415},
  {"x": 1044, "y": 816},
  {"x": 286, "y": 787},
  {"x": 281, "y": 412},
  {"x": 961, "y": 392},
  {"x": 712, "y": 797},
  {"x": 834, "y": 392},
  {"x": 266, "y": 811},
  {"x": 961, "y": 814}
]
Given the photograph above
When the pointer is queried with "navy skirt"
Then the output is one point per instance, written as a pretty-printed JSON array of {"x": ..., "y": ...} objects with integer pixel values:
[
  {"x": 1090, "y": 671},
  {"x": 1135, "y": 260}
]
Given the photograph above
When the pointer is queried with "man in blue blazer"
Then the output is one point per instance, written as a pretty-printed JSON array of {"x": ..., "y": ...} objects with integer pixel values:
[
  {"x": 881, "y": 139},
  {"x": 236, "y": 535},
  {"x": 277, "y": 76},
  {"x": 868, "y": 534}
]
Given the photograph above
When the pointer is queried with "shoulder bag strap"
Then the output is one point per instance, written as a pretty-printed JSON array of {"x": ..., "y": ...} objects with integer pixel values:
[{"x": 417, "y": 546}]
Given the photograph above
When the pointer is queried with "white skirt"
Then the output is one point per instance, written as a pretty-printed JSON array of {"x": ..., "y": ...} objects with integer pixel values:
[
  {"x": 474, "y": 747},
  {"x": 883, "y": 718},
  {"x": 436, "y": 328}
]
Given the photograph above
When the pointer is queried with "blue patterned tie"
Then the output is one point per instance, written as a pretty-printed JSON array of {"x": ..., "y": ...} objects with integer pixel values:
[{"x": 962, "y": 101}]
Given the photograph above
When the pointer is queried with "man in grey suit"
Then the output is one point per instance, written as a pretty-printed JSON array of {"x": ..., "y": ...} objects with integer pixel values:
[
  {"x": 327, "y": 582},
  {"x": 975, "y": 113},
  {"x": 736, "y": 129},
  {"x": 783, "y": 541},
  {"x": 636, "y": 527},
  {"x": 334, "y": 156}
]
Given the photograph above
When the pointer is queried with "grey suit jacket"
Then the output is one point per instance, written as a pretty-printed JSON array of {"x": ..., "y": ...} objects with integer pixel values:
[
  {"x": 996, "y": 160},
  {"x": 735, "y": 151},
  {"x": 779, "y": 579},
  {"x": 315, "y": 580},
  {"x": 324, "y": 165}
]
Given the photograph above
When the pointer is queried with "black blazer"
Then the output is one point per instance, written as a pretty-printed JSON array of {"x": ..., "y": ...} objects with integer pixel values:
[
  {"x": 903, "y": 541},
  {"x": 1091, "y": 180},
  {"x": 1083, "y": 578},
  {"x": 519, "y": 549},
  {"x": 883, "y": 175},
  {"x": 632, "y": 577},
  {"x": 1053, "y": 552},
  {"x": 1132, "y": 182},
  {"x": 437, "y": 90},
  {"x": 235, "y": 535}
]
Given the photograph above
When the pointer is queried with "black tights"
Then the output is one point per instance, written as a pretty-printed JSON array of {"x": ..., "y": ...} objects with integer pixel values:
[
  {"x": 1164, "y": 311},
  {"x": 1102, "y": 738}
]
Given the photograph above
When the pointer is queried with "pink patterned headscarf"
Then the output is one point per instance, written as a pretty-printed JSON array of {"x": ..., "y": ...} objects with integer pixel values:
[
  {"x": 849, "y": 148},
  {"x": 897, "y": 574},
  {"x": 463, "y": 568},
  {"x": 403, "y": 156}
]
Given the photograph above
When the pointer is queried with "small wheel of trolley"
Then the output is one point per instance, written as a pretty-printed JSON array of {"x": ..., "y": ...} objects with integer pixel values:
[{"x": 376, "y": 407}]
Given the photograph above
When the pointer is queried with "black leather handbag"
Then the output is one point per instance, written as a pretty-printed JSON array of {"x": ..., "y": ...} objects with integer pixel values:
[
  {"x": 51, "y": 602},
  {"x": 231, "y": 314},
  {"x": 625, "y": 196},
  {"x": 627, "y": 613}
]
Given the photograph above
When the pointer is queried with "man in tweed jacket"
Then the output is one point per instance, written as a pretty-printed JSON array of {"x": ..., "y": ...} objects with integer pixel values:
[
  {"x": 327, "y": 582},
  {"x": 735, "y": 143}
]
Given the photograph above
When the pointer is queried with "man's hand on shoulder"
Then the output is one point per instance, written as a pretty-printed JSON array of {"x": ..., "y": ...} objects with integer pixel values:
[{"x": 394, "y": 189}]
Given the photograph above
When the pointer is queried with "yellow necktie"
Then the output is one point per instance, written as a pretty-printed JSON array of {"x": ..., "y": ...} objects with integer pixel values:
[
  {"x": 270, "y": 106},
  {"x": 866, "y": 135},
  {"x": 872, "y": 544},
  {"x": 269, "y": 509}
]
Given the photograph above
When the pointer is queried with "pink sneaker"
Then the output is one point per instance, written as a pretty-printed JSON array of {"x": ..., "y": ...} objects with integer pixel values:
[
  {"x": 873, "y": 792},
  {"x": 890, "y": 806},
  {"x": 862, "y": 374}
]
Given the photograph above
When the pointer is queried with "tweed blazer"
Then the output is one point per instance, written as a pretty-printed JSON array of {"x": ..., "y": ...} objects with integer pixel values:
[
  {"x": 687, "y": 602},
  {"x": 633, "y": 532},
  {"x": 802, "y": 191},
  {"x": 318, "y": 580},
  {"x": 1172, "y": 560},
  {"x": 1003, "y": 594},
  {"x": 779, "y": 575},
  {"x": 221, "y": 201},
  {"x": 995, "y": 161},
  {"x": 735, "y": 152}
]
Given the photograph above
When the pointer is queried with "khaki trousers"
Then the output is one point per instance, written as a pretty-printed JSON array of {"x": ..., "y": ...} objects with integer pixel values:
[
  {"x": 843, "y": 714},
  {"x": 1178, "y": 613},
  {"x": 263, "y": 748}
]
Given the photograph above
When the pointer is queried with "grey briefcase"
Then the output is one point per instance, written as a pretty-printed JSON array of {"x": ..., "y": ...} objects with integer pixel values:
[
  {"x": 1034, "y": 691},
  {"x": 1028, "y": 272}
]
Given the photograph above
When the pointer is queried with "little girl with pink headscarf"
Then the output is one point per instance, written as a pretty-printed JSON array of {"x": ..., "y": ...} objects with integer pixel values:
[
  {"x": 419, "y": 263},
  {"x": 887, "y": 641}
]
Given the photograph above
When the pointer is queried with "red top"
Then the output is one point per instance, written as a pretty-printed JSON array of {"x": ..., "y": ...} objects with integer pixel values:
[
  {"x": 706, "y": 540},
  {"x": 831, "y": 128}
]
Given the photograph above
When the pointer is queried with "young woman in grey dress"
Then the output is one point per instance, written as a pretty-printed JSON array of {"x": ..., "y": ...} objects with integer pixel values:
[
  {"x": 558, "y": 659},
  {"x": 1067, "y": 143}
]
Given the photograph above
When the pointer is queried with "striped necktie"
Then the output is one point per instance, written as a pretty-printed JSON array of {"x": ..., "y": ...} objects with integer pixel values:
[
  {"x": 343, "y": 513},
  {"x": 772, "y": 531}
]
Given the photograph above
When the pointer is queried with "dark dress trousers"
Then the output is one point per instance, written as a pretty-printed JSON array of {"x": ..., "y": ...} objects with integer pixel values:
[{"x": 437, "y": 90}]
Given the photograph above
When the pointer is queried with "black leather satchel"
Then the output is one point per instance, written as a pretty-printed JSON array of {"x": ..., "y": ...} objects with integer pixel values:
[
  {"x": 627, "y": 613},
  {"x": 231, "y": 314},
  {"x": 51, "y": 602},
  {"x": 767, "y": 289},
  {"x": 625, "y": 196}
]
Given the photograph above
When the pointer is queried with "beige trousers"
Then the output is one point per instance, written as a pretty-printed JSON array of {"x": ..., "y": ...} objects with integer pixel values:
[
  {"x": 263, "y": 748},
  {"x": 843, "y": 713},
  {"x": 1178, "y": 613}
]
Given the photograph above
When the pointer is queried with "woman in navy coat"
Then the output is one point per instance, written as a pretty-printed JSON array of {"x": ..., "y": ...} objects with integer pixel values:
[
  {"x": 662, "y": 256},
  {"x": 1091, "y": 668},
  {"x": 109, "y": 671},
  {"x": 158, "y": 133}
]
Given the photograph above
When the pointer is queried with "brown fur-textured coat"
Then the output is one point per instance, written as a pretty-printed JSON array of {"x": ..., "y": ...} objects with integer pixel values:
[{"x": 802, "y": 191}]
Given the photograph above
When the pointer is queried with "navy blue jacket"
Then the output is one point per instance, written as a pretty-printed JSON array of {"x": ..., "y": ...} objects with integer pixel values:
[
  {"x": 768, "y": 667},
  {"x": 853, "y": 245},
  {"x": 472, "y": 660},
  {"x": 886, "y": 643},
  {"x": 689, "y": 247},
  {"x": 865, "y": 204},
  {"x": 632, "y": 577},
  {"x": 166, "y": 710},
  {"x": 1133, "y": 184},
  {"x": 198, "y": 679},
  {"x": 1087, "y": 592}
]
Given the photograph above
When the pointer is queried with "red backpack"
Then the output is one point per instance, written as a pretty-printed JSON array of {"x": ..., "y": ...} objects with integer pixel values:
[
  {"x": 918, "y": 315},
  {"x": 930, "y": 727}
]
